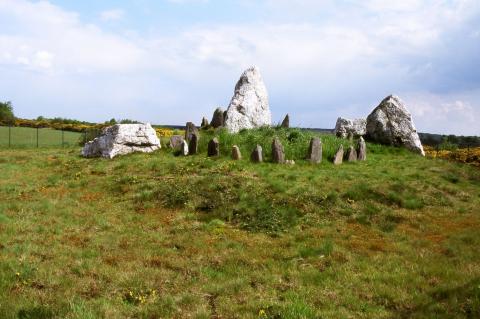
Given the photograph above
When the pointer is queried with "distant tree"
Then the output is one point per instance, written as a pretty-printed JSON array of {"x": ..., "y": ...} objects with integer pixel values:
[
  {"x": 6, "y": 113},
  {"x": 111, "y": 122},
  {"x": 448, "y": 145},
  {"x": 128, "y": 121},
  {"x": 40, "y": 118}
]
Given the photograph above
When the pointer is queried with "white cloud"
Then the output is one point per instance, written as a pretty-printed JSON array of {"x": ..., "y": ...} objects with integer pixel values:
[
  {"x": 446, "y": 113},
  {"x": 43, "y": 59},
  {"x": 45, "y": 32},
  {"x": 319, "y": 69},
  {"x": 112, "y": 15}
]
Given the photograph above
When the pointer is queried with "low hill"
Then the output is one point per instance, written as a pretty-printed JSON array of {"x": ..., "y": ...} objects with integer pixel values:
[{"x": 154, "y": 235}]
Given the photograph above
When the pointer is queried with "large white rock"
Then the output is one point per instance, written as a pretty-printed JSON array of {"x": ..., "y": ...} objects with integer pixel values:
[
  {"x": 249, "y": 105},
  {"x": 357, "y": 127},
  {"x": 391, "y": 123},
  {"x": 121, "y": 139}
]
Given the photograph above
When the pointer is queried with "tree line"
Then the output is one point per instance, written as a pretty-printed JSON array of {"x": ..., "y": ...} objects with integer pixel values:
[{"x": 8, "y": 118}]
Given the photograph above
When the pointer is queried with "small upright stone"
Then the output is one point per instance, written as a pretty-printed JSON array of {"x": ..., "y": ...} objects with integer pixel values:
[
  {"x": 351, "y": 154},
  {"x": 278, "y": 154},
  {"x": 257, "y": 154},
  {"x": 290, "y": 162},
  {"x": 286, "y": 121},
  {"x": 205, "y": 123},
  {"x": 184, "y": 148},
  {"x": 176, "y": 141},
  {"x": 338, "y": 158},
  {"x": 236, "y": 154},
  {"x": 218, "y": 118},
  {"x": 193, "y": 145},
  {"x": 189, "y": 130},
  {"x": 315, "y": 151},
  {"x": 361, "y": 150},
  {"x": 214, "y": 147},
  {"x": 224, "y": 118}
]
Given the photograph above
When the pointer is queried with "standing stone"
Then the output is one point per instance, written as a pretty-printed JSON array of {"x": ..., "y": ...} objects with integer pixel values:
[
  {"x": 224, "y": 118},
  {"x": 184, "y": 148},
  {"x": 176, "y": 141},
  {"x": 286, "y": 121},
  {"x": 205, "y": 123},
  {"x": 278, "y": 154},
  {"x": 351, "y": 154},
  {"x": 249, "y": 105},
  {"x": 193, "y": 145},
  {"x": 217, "y": 119},
  {"x": 344, "y": 127},
  {"x": 338, "y": 158},
  {"x": 189, "y": 130},
  {"x": 121, "y": 139},
  {"x": 290, "y": 162},
  {"x": 350, "y": 137},
  {"x": 315, "y": 151},
  {"x": 390, "y": 123},
  {"x": 214, "y": 147},
  {"x": 257, "y": 154},
  {"x": 236, "y": 154},
  {"x": 361, "y": 150}
]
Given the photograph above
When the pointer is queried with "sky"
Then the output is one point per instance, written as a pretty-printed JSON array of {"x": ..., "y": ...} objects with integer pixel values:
[{"x": 173, "y": 61}]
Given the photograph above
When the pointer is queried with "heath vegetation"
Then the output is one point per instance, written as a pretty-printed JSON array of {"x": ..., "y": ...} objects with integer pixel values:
[{"x": 154, "y": 235}]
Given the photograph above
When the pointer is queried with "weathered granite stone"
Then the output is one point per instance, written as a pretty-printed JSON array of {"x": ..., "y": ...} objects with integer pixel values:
[
  {"x": 176, "y": 141},
  {"x": 286, "y": 122},
  {"x": 361, "y": 150},
  {"x": 249, "y": 105},
  {"x": 189, "y": 130},
  {"x": 350, "y": 136},
  {"x": 278, "y": 154},
  {"x": 315, "y": 150},
  {"x": 205, "y": 123},
  {"x": 338, "y": 158},
  {"x": 214, "y": 147},
  {"x": 357, "y": 127},
  {"x": 257, "y": 154},
  {"x": 121, "y": 139},
  {"x": 236, "y": 154},
  {"x": 217, "y": 119},
  {"x": 351, "y": 154},
  {"x": 290, "y": 162},
  {"x": 184, "y": 148},
  {"x": 390, "y": 123},
  {"x": 193, "y": 145}
]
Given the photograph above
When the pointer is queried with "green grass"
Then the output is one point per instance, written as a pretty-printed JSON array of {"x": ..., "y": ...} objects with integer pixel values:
[
  {"x": 158, "y": 236},
  {"x": 27, "y": 137}
]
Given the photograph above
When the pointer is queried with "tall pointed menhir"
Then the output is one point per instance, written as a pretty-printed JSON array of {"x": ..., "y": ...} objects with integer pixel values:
[{"x": 249, "y": 105}]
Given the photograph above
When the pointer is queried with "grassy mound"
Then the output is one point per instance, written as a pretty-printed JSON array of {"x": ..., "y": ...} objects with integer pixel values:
[{"x": 149, "y": 236}]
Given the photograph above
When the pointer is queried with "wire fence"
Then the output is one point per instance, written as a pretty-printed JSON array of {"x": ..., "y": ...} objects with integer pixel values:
[{"x": 11, "y": 136}]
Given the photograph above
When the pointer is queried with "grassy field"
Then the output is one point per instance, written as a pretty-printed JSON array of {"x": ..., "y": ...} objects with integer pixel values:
[
  {"x": 27, "y": 137},
  {"x": 158, "y": 236}
]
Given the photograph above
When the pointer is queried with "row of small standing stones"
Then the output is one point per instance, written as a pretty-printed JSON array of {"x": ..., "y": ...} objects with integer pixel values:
[{"x": 189, "y": 146}]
